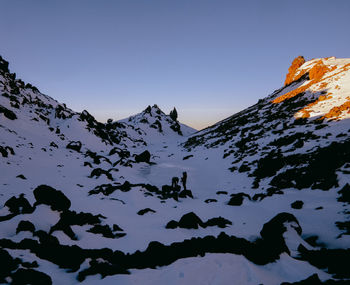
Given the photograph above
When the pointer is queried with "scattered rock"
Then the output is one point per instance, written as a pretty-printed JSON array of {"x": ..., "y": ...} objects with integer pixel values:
[
  {"x": 30, "y": 276},
  {"x": 5, "y": 151},
  {"x": 210, "y": 201},
  {"x": 144, "y": 211},
  {"x": 186, "y": 193},
  {"x": 8, "y": 113},
  {"x": 237, "y": 199},
  {"x": 99, "y": 171},
  {"x": 344, "y": 194},
  {"x": 74, "y": 145},
  {"x": 272, "y": 231},
  {"x": 335, "y": 261},
  {"x": 21, "y": 176},
  {"x": 19, "y": 205},
  {"x": 106, "y": 231},
  {"x": 219, "y": 222},
  {"x": 187, "y": 157},
  {"x": 297, "y": 204},
  {"x": 8, "y": 264},
  {"x": 143, "y": 157},
  {"x": 45, "y": 194},
  {"x": 25, "y": 226},
  {"x": 172, "y": 225},
  {"x": 192, "y": 221}
]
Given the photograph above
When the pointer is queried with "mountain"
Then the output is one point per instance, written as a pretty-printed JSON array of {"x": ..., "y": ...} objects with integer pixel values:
[
  {"x": 287, "y": 138},
  {"x": 266, "y": 199},
  {"x": 152, "y": 125}
]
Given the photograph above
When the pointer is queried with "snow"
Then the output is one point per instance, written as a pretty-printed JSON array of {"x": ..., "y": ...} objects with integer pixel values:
[
  {"x": 217, "y": 269},
  {"x": 208, "y": 172}
]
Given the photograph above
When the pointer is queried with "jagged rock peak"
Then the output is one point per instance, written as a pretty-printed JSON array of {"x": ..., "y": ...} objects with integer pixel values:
[
  {"x": 291, "y": 75},
  {"x": 154, "y": 110},
  {"x": 4, "y": 65}
]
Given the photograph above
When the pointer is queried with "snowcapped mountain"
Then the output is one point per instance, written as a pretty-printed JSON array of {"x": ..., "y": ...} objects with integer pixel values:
[
  {"x": 266, "y": 199},
  {"x": 152, "y": 125}
]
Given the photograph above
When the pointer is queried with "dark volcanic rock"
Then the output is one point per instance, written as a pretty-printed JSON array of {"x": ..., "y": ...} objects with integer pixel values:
[
  {"x": 221, "y": 193},
  {"x": 172, "y": 225},
  {"x": 25, "y": 226},
  {"x": 8, "y": 113},
  {"x": 219, "y": 222},
  {"x": 144, "y": 211},
  {"x": 186, "y": 193},
  {"x": 21, "y": 176},
  {"x": 74, "y": 145},
  {"x": 210, "y": 201},
  {"x": 336, "y": 261},
  {"x": 344, "y": 194},
  {"x": 99, "y": 171},
  {"x": 297, "y": 204},
  {"x": 272, "y": 231},
  {"x": 19, "y": 205},
  {"x": 190, "y": 221},
  {"x": 55, "y": 198},
  {"x": 105, "y": 230},
  {"x": 143, "y": 157},
  {"x": 30, "y": 277},
  {"x": 5, "y": 151},
  {"x": 8, "y": 264},
  {"x": 237, "y": 199}
]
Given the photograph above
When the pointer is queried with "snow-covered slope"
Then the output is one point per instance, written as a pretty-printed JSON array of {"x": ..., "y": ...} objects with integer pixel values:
[
  {"x": 81, "y": 200},
  {"x": 152, "y": 125}
]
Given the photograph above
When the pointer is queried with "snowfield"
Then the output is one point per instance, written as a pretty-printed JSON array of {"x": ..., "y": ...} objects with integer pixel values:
[{"x": 266, "y": 202}]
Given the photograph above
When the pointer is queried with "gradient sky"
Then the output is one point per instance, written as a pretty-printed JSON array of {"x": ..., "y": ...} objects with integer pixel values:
[{"x": 210, "y": 59}]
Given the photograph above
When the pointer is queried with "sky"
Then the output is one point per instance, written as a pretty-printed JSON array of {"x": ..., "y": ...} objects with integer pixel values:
[{"x": 208, "y": 58}]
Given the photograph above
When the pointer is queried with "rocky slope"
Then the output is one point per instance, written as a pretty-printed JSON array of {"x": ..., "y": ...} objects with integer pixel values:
[
  {"x": 295, "y": 138},
  {"x": 82, "y": 200}
]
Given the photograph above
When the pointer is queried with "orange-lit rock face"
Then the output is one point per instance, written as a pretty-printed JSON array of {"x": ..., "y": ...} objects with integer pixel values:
[
  {"x": 335, "y": 112},
  {"x": 316, "y": 74},
  {"x": 319, "y": 70},
  {"x": 291, "y": 94},
  {"x": 297, "y": 62},
  {"x": 323, "y": 75},
  {"x": 305, "y": 111}
]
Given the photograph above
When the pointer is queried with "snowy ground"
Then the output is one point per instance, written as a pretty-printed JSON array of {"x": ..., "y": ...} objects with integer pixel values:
[{"x": 63, "y": 169}]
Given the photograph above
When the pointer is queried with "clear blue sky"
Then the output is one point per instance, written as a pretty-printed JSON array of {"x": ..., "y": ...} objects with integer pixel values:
[{"x": 210, "y": 59}]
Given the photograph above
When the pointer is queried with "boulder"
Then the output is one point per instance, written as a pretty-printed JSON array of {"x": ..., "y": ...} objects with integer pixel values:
[
  {"x": 143, "y": 157},
  {"x": 74, "y": 145},
  {"x": 30, "y": 276},
  {"x": 344, "y": 194},
  {"x": 144, "y": 211},
  {"x": 19, "y": 205},
  {"x": 25, "y": 226},
  {"x": 237, "y": 199},
  {"x": 297, "y": 204},
  {"x": 272, "y": 231},
  {"x": 190, "y": 221},
  {"x": 186, "y": 193},
  {"x": 45, "y": 194}
]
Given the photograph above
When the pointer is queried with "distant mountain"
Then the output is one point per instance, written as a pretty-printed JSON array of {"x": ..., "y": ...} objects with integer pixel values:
[
  {"x": 153, "y": 124},
  {"x": 148, "y": 200}
]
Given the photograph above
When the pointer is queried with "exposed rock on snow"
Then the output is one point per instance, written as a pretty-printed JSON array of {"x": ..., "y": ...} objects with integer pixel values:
[{"x": 119, "y": 187}]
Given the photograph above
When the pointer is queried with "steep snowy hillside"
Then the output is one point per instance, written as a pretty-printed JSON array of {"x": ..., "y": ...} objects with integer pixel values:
[
  {"x": 83, "y": 201},
  {"x": 298, "y": 135}
]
